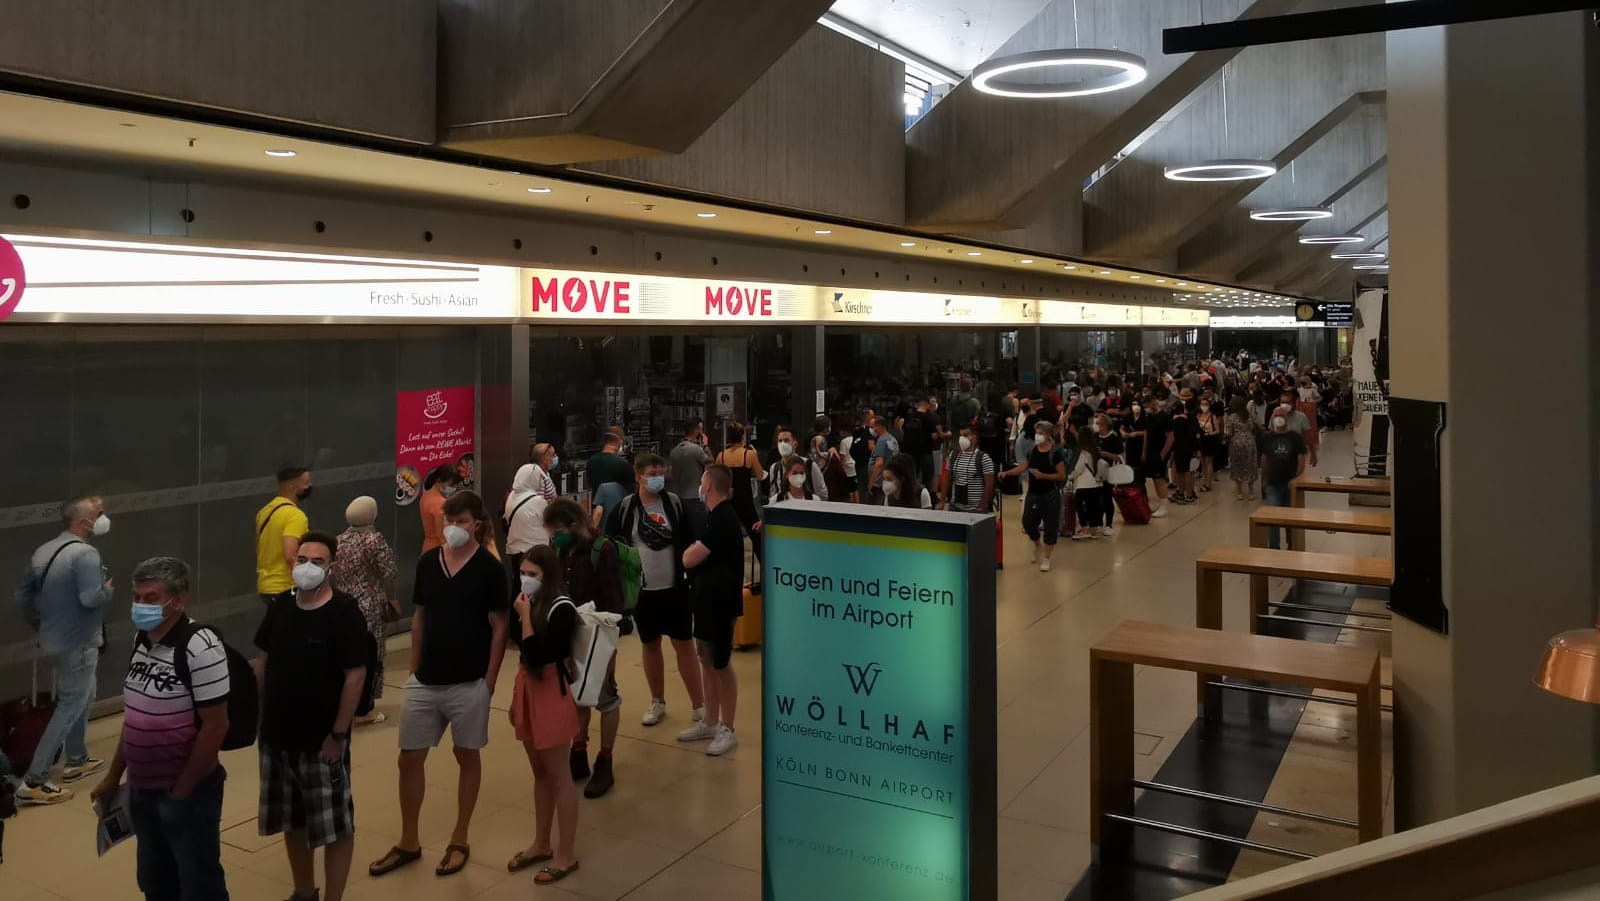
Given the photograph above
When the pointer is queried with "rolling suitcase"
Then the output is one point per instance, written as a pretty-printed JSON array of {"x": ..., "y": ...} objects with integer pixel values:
[
  {"x": 1133, "y": 505},
  {"x": 23, "y": 721},
  {"x": 747, "y": 628}
]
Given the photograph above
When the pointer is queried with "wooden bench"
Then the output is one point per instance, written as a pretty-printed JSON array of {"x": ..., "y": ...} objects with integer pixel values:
[
  {"x": 1211, "y": 653},
  {"x": 1299, "y": 488},
  {"x": 1261, "y": 563},
  {"x": 1297, "y": 520}
]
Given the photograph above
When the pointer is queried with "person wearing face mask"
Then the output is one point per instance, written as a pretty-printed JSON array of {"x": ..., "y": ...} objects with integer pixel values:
[
  {"x": 591, "y": 568},
  {"x": 523, "y": 513},
  {"x": 175, "y": 782},
  {"x": 1209, "y": 424},
  {"x": 786, "y": 448},
  {"x": 458, "y": 640},
  {"x": 1046, "y": 467},
  {"x": 902, "y": 486},
  {"x": 543, "y": 715},
  {"x": 1114, "y": 404},
  {"x": 656, "y": 523},
  {"x": 610, "y": 477},
  {"x": 884, "y": 448},
  {"x": 279, "y": 525},
  {"x": 969, "y": 485},
  {"x": 685, "y": 464},
  {"x": 1113, "y": 450},
  {"x": 1283, "y": 459},
  {"x": 745, "y": 465},
  {"x": 794, "y": 481},
  {"x": 312, "y": 671},
  {"x": 364, "y": 568},
  {"x": 440, "y": 485},
  {"x": 63, "y": 598}
]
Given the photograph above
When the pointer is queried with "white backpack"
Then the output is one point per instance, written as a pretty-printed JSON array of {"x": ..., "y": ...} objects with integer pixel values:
[{"x": 594, "y": 643}]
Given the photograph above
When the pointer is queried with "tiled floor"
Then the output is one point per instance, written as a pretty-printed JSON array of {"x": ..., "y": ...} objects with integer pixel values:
[{"x": 681, "y": 825}]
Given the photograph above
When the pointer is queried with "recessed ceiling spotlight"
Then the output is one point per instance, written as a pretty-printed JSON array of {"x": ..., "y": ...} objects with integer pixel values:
[
  {"x": 706, "y": 215},
  {"x": 1025, "y": 262},
  {"x": 1068, "y": 266},
  {"x": 988, "y": 78},
  {"x": 1222, "y": 170},
  {"x": 1135, "y": 276},
  {"x": 1359, "y": 255},
  {"x": 824, "y": 231},
  {"x": 281, "y": 154},
  {"x": 1331, "y": 239},
  {"x": 1292, "y": 214},
  {"x": 1161, "y": 281},
  {"x": 539, "y": 190},
  {"x": 908, "y": 244},
  {"x": 974, "y": 253},
  {"x": 1105, "y": 272}
]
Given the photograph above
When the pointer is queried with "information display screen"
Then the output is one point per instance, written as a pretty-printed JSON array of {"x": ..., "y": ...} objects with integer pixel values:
[{"x": 878, "y": 704}]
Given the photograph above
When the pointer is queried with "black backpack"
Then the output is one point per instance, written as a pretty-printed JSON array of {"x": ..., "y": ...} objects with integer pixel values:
[
  {"x": 913, "y": 433},
  {"x": 244, "y": 701}
]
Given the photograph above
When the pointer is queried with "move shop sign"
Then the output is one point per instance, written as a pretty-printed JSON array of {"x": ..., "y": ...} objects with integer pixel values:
[
  {"x": 608, "y": 296},
  {"x": 878, "y": 712}
]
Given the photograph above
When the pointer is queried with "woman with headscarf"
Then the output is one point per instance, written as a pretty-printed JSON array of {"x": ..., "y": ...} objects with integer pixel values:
[
  {"x": 364, "y": 568},
  {"x": 524, "y": 513}
]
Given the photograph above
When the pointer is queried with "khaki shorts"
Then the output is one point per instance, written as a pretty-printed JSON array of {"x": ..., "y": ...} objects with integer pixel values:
[{"x": 430, "y": 708}]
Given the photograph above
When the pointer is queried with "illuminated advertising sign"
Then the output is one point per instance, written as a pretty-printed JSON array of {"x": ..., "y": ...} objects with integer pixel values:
[
  {"x": 1105, "y": 315},
  {"x": 1276, "y": 321},
  {"x": 878, "y": 705},
  {"x": 1174, "y": 317},
  {"x": 87, "y": 279}
]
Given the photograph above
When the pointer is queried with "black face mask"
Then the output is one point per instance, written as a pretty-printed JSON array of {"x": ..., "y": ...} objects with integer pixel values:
[{"x": 304, "y": 493}]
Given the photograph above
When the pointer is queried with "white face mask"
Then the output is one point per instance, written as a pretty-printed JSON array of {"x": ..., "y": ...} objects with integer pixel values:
[
  {"x": 785, "y": 448},
  {"x": 891, "y": 487},
  {"x": 308, "y": 577},
  {"x": 530, "y": 586},
  {"x": 102, "y": 524},
  {"x": 455, "y": 536},
  {"x": 798, "y": 480},
  {"x": 965, "y": 442}
]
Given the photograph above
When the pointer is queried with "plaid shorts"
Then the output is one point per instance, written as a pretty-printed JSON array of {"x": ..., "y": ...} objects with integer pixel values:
[{"x": 300, "y": 792}]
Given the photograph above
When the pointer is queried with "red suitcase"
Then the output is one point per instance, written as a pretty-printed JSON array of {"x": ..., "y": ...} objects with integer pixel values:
[
  {"x": 1133, "y": 505},
  {"x": 22, "y": 724}
]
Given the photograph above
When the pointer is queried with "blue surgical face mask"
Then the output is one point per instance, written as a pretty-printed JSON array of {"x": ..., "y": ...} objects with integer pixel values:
[
  {"x": 655, "y": 484},
  {"x": 148, "y": 616}
]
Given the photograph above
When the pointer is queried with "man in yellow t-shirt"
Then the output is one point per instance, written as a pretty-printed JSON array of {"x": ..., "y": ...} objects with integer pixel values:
[{"x": 279, "y": 526}]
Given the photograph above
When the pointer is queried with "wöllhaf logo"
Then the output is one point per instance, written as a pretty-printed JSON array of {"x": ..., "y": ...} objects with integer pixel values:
[
  {"x": 12, "y": 279},
  {"x": 863, "y": 678}
]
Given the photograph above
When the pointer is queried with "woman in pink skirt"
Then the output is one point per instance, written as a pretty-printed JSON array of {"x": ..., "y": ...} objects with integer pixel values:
[
  {"x": 543, "y": 713},
  {"x": 1309, "y": 399}
]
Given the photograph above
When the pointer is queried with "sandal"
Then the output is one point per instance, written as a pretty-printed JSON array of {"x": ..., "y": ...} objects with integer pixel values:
[
  {"x": 444, "y": 868},
  {"x": 396, "y": 858},
  {"x": 522, "y": 861},
  {"x": 552, "y": 875}
]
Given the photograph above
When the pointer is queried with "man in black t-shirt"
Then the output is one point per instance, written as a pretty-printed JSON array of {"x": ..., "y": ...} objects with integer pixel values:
[
  {"x": 1158, "y": 444},
  {"x": 1046, "y": 467},
  {"x": 1283, "y": 459},
  {"x": 921, "y": 430},
  {"x": 716, "y": 564},
  {"x": 313, "y": 667},
  {"x": 458, "y": 639}
]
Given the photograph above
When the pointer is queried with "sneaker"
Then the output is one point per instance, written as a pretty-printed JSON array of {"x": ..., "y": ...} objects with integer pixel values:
[
  {"x": 580, "y": 764},
  {"x": 88, "y": 768},
  {"x": 724, "y": 742},
  {"x": 698, "y": 715},
  {"x": 603, "y": 778},
  {"x": 1044, "y": 565},
  {"x": 42, "y": 794},
  {"x": 656, "y": 713},
  {"x": 1159, "y": 512},
  {"x": 701, "y": 731},
  {"x": 1107, "y": 532}
]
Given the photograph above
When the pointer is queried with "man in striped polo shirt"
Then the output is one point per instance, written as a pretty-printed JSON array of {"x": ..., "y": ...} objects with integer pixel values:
[
  {"x": 171, "y": 733},
  {"x": 969, "y": 488}
]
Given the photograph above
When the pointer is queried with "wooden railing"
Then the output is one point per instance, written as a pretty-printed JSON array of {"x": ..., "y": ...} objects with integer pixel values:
[{"x": 1523, "y": 841}]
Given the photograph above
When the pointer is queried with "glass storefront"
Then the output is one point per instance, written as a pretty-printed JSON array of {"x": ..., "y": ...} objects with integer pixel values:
[
  {"x": 653, "y": 383},
  {"x": 882, "y": 368},
  {"x": 181, "y": 430},
  {"x": 1067, "y": 349}
]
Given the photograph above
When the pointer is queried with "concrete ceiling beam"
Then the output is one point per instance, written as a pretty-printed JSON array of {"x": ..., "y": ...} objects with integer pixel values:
[
  {"x": 1281, "y": 237},
  {"x": 978, "y": 163},
  {"x": 566, "y": 81},
  {"x": 1270, "y": 103},
  {"x": 1355, "y": 211}
]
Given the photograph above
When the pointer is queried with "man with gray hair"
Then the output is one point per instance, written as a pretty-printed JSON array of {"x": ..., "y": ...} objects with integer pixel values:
[
  {"x": 174, "y": 721},
  {"x": 63, "y": 596}
]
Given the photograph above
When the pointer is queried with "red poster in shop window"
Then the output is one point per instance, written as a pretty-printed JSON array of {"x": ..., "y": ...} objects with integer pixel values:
[
  {"x": 433, "y": 428},
  {"x": 12, "y": 279}
]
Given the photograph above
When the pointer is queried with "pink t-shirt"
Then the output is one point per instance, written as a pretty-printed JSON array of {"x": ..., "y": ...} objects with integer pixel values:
[{"x": 158, "y": 720}]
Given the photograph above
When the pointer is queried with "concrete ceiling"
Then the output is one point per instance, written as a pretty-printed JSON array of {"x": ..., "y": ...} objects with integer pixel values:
[{"x": 957, "y": 34}]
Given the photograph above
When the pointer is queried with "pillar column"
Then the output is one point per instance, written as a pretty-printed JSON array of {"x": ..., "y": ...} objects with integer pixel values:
[
  {"x": 1028, "y": 338},
  {"x": 806, "y": 373},
  {"x": 1493, "y": 151},
  {"x": 503, "y": 408}
]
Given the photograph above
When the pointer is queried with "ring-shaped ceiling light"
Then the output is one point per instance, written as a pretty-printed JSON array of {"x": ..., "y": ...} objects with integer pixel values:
[
  {"x": 1331, "y": 239},
  {"x": 990, "y": 78},
  {"x": 1292, "y": 214},
  {"x": 1358, "y": 255},
  {"x": 1223, "y": 170}
]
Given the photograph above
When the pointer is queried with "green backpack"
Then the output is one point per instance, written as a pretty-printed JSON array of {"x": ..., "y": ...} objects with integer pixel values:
[{"x": 630, "y": 566}]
